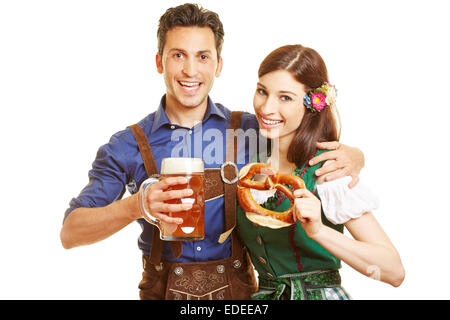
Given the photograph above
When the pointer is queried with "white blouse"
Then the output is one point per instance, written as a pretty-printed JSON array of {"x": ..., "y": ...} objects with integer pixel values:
[{"x": 339, "y": 202}]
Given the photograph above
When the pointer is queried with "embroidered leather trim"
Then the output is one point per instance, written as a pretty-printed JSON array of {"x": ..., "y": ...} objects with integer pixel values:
[{"x": 181, "y": 295}]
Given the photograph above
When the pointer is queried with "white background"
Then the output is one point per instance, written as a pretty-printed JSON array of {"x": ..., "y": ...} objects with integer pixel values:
[{"x": 72, "y": 73}]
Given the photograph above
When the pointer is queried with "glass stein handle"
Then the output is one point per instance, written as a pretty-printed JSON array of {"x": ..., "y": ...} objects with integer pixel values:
[{"x": 146, "y": 214}]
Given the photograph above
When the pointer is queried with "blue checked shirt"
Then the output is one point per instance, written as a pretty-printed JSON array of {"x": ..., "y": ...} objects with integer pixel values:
[{"x": 119, "y": 165}]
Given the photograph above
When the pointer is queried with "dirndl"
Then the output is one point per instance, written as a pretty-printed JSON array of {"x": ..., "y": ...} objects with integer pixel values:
[{"x": 315, "y": 285}]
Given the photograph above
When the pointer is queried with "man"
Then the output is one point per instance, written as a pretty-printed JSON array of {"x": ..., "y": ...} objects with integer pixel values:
[{"x": 190, "y": 39}]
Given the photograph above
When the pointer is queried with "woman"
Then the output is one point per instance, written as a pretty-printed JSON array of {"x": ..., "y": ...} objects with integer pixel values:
[{"x": 295, "y": 108}]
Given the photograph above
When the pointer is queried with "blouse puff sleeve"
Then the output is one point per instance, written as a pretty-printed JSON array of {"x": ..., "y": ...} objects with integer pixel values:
[{"x": 340, "y": 203}]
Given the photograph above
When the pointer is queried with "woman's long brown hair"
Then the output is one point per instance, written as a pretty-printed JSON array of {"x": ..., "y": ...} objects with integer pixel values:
[{"x": 308, "y": 68}]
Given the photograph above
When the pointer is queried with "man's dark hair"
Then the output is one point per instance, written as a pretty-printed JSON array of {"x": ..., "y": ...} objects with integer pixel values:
[{"x": 190, "y": 15}]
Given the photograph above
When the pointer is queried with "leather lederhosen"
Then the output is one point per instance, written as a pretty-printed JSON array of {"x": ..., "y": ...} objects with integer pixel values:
[{"x": 230, "y": 278}]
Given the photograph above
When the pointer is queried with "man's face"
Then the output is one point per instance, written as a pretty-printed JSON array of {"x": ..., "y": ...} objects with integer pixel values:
[{"x": 189, "y": 64}]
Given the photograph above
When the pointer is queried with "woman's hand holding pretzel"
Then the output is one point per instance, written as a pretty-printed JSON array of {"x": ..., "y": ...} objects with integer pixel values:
[{"x": 307, "y": 210}]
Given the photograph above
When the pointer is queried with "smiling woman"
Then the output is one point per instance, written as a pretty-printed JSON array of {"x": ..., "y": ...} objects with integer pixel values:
[
  {"x": 278, "y": 104},
  {"x": 300, "y": 258},
  {"x": 307, "y": 68}
]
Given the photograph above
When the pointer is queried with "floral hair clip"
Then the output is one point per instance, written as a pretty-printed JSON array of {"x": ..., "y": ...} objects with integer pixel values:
[{"x": 324, "y": 96}]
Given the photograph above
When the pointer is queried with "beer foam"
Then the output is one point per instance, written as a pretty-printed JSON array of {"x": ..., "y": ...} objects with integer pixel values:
[{"x": 181, "y": 165}]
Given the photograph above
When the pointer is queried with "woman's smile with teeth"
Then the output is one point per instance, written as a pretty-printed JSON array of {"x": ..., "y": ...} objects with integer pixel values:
[{"x": 270, "y": 122}]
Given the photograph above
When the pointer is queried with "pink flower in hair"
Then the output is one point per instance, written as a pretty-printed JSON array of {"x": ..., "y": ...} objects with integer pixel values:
[{"x": 318, "y": 101}]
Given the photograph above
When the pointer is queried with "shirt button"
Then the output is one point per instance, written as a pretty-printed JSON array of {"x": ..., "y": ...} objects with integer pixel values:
[
  {"x": 172, "y": 127},
  {"x": 190, "y": 131},
  {"x": 199, "y": 248},
  {"x": 262, "y": 260}
]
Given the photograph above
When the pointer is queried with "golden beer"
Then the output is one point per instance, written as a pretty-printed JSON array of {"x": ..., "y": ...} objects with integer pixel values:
[{"x": 193, "y": 226}]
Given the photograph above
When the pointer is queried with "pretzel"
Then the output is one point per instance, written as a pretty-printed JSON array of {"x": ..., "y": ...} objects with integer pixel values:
[{"x": 274, "y": 180}]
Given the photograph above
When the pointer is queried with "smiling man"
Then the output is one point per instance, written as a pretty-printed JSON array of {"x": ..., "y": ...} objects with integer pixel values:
[
  {"x": 189, "y": 62},
  {"x": 190, "y": 39}
]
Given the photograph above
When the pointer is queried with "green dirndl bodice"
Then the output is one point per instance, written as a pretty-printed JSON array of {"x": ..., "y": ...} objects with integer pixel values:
[{"x": 290, "y": 265}]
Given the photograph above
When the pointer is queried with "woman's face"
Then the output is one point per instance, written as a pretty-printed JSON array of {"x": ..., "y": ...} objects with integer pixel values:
[{"x": 278, "y": 104}]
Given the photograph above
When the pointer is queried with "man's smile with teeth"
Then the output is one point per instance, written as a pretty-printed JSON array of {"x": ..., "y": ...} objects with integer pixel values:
[{"x": 189, "y": 84}]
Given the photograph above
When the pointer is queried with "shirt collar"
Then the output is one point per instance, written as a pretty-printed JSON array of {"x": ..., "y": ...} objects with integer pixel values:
[
  {"x": 161, "y": 118},
  {"x": 213, "y": 109}
]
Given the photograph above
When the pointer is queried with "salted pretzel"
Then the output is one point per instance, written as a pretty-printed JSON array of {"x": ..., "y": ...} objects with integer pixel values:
[{"x": 274, "y": 180}]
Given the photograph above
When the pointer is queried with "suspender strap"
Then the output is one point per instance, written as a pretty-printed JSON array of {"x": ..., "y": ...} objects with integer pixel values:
[
  {"x": 151, "y": 168},
  {"x": 235, "y": 123},
  {"x": 144, "y": 148},
  {"x": 229, "y": 177}
]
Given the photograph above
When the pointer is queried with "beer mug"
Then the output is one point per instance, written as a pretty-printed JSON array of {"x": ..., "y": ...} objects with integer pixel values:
[{"x": 193, "y": 226}]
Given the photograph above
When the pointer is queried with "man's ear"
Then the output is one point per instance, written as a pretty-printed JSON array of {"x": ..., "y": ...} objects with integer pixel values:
[
  {"x": 219, "y": 67},
  {"x": 159, "y": 64}
]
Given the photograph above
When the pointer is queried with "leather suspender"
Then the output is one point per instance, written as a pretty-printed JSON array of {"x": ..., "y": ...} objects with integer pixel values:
[
  {"x": 229, "y": 173},
  {"x": 230, "y": 189},
  {"x": 151, "y": 168}
]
